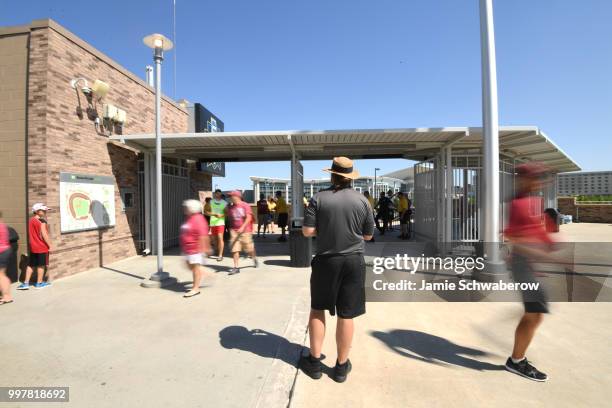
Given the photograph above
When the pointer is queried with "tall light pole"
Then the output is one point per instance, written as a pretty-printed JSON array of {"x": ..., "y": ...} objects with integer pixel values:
[
  {"x": 159, "y": 44},
  {"x": 490, "y": 135},
  {"x": 375, "y": 189}
]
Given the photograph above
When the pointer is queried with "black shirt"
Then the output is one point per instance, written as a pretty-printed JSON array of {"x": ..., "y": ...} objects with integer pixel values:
[
  {"x": 341, "y": 218},
  {"x": 385, "y": 205}
]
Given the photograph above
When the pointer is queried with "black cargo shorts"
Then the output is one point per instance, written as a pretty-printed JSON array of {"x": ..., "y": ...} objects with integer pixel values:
[{"x": 337, "y": 284}]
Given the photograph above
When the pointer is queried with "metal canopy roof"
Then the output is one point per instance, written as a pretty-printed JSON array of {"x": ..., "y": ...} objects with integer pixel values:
[{"x": 524, "y": 143}]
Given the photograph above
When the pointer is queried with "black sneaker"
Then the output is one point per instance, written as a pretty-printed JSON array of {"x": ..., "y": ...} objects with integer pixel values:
[
  {"x": 233, "y": 271},
  {"x": 525, "y": 369},
  {"x": 311, "y": 366},
  {"x": 341, "y": 371}
]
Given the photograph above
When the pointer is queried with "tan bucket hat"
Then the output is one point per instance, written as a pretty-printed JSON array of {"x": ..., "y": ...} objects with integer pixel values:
[{"x": 343, "y": 166}]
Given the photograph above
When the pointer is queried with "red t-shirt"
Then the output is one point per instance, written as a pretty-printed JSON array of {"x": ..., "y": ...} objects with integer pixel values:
[
  {"x": 4, "y": 238},
  {"x": 37, "y": 243},
  {"x": 527, "y": 220},
  {"x": 191, "y": 231},
  {"x": 238, "y": 214}
]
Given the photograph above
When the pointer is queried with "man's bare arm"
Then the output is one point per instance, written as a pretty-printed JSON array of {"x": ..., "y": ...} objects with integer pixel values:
[
  {"x": 309, "y": 231},
  {"x": 45, "y": 235},
  {"x": 205, "y": 245}
]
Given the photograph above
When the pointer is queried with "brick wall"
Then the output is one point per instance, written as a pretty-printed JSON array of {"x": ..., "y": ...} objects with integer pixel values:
[
  {"x": 13, "y": 80},
  {"x": 601, "y": 213},
  {"x": 60, "y": 140},
  {"x": 199, "y": 181}
]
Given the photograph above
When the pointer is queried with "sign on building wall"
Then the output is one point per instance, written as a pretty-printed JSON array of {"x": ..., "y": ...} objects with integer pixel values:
[
  {"x": 201, "y": 120},
  {"x": 214, "y": 168},
  {"x": 87, "y": 202}
]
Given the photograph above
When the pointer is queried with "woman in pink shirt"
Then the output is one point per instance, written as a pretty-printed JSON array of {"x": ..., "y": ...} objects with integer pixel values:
[
  {"x": 194, "y": 242},
  {"x": 5, "y": 256}
]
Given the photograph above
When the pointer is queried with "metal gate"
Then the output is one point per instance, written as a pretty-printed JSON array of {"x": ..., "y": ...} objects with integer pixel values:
[
  {"x": 426, "y": 184},
  {"x": 448, "y": 201},
  {"x": 175, "y": 189},
  {"x": 466, "y": 198}
]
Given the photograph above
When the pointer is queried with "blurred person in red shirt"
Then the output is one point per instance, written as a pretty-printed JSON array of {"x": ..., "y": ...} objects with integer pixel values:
[
  {"x": 5, "y": 257},
  {"x": 530, "y": 243},
  {"x": 241, "y": 230},
  {"x": 195, "y": 242}
]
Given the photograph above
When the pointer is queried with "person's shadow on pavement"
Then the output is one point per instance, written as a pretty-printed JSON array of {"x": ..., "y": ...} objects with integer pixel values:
[
  {"x": 433, "y": 349},
  {"x": 260, "y": 342}
]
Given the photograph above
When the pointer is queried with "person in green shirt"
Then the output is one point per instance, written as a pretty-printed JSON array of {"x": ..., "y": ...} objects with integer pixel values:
[{"x": 217, "y": 222}]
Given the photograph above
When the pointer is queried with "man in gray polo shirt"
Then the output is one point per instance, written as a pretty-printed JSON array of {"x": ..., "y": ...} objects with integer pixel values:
[{"x": 342, "y": 220}]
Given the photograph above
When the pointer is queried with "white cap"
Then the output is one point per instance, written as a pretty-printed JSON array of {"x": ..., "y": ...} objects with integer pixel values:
[{"x": 39, "y": 206}]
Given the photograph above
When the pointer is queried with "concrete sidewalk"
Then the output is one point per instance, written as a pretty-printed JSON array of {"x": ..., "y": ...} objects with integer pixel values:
[
  {"x": 451, "y": 355},
  {"x": 116, "y": 344},
  {"x": 437, "y": 354}
]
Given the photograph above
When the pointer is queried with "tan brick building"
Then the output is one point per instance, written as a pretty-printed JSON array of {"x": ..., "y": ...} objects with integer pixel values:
[
  {"x": 48, "y": 127},
  {"x": 590, "y": 211}
]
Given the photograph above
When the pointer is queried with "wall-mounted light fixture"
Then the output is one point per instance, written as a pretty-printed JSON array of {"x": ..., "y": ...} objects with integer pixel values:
[
  {"x": 84, "y": 88},
  {"x": 99, "y": 88},
  {"x": 93, "y": 94}
]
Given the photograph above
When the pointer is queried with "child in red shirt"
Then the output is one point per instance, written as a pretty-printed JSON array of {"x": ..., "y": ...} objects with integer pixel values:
[{"x": 39, "y": 245}]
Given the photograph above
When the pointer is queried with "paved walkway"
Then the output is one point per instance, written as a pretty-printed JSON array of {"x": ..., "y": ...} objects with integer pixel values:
[
  {"x": 119, "y": 345},
  {"x": 450, "y": 355},
  {"x": 433, "y": 354}
]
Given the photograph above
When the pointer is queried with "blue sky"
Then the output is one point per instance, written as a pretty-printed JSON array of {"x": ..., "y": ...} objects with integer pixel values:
[{"x": 320, "y": 64}]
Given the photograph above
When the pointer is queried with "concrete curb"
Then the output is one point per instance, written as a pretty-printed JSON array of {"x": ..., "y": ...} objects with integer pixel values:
[{"x": 278, "y": 385}]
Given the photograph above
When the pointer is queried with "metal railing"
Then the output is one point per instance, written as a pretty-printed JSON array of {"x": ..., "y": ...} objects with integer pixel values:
[{"x": 176, "y": 188}]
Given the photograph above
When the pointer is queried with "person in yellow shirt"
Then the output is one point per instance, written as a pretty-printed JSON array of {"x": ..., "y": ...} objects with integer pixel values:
[
  {"x": 403, "y": 208},
  {"x": 272, "y": 208},
  {"x": 283, "y": 214}
]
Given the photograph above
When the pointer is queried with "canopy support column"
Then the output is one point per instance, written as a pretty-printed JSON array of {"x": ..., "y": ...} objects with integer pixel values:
[
  {"x": 448, "y": 219},
  {"x": 297, "y": 186},
  {"x": 440, "y": 198}
]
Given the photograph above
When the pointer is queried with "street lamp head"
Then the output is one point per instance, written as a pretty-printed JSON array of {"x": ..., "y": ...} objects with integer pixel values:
[{"x": 158, "y": 41}]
